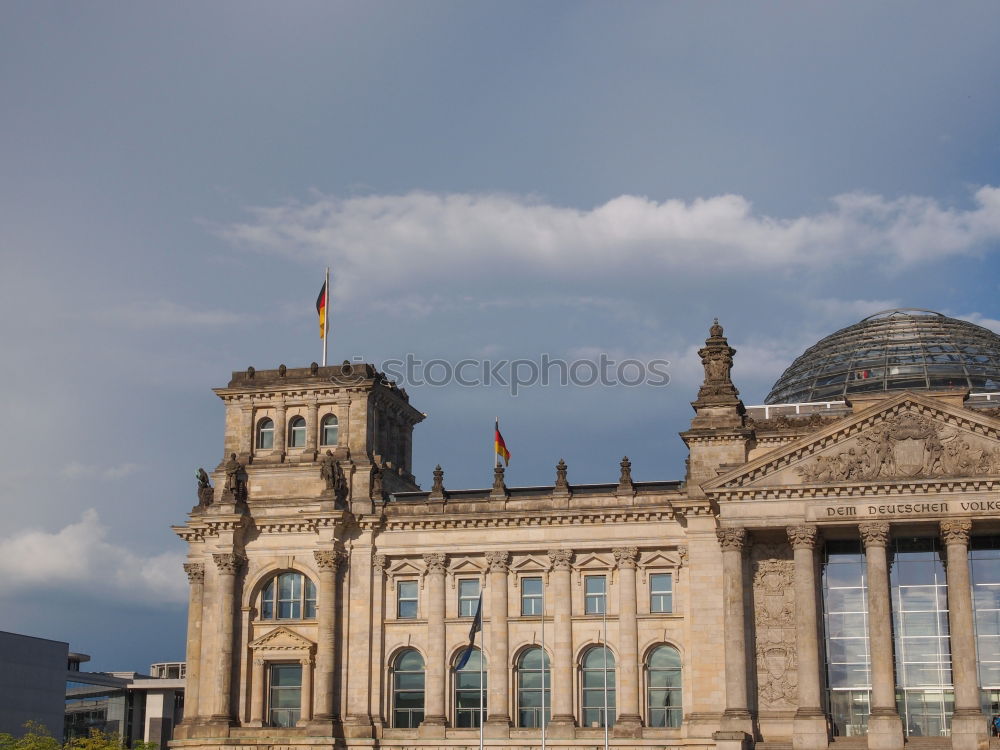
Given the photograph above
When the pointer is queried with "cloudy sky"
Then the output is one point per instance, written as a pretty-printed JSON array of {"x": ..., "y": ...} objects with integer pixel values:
[{"x": 488, "y": 180}]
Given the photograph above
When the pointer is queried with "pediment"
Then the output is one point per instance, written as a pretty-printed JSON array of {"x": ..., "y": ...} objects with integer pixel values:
[
  {"x": 529, "y": 563},
  {"x": 903, "y": 439},
  {"x": 592, "y": 561},
  {"x": 402, "y": 568},
  {"x": 659, "y": 559},
  {"x": 465, "y": 566},
  {"x": 281, "y": 639}
]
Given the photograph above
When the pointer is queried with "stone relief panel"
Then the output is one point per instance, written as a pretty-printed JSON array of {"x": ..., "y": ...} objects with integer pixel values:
[{"x": 774, "y": 621}]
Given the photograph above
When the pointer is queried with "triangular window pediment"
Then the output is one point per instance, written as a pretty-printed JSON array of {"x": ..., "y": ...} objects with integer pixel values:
[{"x": 281, "y": 639}]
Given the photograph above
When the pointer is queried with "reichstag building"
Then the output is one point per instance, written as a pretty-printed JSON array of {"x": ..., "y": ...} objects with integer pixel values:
[{"x": 827, "y": 572}]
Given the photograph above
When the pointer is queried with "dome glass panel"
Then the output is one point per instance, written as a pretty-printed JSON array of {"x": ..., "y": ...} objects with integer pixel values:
[{"x": 895, "y": 350}]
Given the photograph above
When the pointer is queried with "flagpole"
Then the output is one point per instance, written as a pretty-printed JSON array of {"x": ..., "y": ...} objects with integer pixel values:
[
  {"x": 544, "y": 660},
  {"x": 482, "y": 656},
  {"x": 326, "y": 313},
  {"x": 604, "y": 609}
]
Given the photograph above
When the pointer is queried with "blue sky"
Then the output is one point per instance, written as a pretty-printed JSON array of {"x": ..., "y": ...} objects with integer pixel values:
[{"x": 487, "y": 180}]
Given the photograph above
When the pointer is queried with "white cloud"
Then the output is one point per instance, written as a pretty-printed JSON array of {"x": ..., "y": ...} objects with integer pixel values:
[
  {"x": 166, "y": 314},
  {"x": 402, "y": 241},
  {"x": 80, "y": 557},
  {"x": 981, "y": 320},
  {"x": 78, "y": 470}
]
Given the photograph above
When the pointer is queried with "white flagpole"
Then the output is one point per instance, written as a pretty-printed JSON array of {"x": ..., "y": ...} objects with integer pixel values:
[
  {"x": 326, "y": 313},
  {"x": 544, "y": 660},
  {"x": 605, "y": 639}
]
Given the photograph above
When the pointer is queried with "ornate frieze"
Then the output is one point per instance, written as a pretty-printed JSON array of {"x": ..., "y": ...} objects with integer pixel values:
[
  {"x": 731, "y": 539},
  {"x": 228, "y": 563},
  {"x": 956, "y": 531},
  {"x": 626, "y": 557},
  {"x": 561, "y": 559},
  {"x": 436, "y": 562},
  {"x": 498, "y": 561},
  {"x": 774, "y": 623},
  {"x": 874, "y": 533},
  {"x": 195, "y": 572},
  {"x": 802, "y": 536}
]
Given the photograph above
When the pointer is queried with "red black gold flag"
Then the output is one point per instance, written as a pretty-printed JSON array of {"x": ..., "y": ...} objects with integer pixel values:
[{"x": 321, "y": 310}]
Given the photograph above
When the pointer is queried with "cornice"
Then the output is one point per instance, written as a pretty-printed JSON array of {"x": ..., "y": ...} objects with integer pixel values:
[
  {"x": 541, "y": 518},
  {"x": 852, "y": 489}
]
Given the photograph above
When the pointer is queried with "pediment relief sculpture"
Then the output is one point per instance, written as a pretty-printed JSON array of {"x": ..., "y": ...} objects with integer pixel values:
[
  {"x": 281, "y": 639},
  {"x": 905, "y": 446}
]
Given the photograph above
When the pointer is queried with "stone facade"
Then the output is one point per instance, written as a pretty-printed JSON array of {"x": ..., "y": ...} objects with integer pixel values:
[{"x": 739, "y": 543}]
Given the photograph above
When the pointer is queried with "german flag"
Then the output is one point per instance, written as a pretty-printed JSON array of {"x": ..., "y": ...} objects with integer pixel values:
[
  {"x": 321, "y": 310},
  {"x": 499, "y": 446}
]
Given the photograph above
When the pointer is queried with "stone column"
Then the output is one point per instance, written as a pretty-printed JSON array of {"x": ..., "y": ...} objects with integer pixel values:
[
  {"x": 280, "y": 423},
  {"x": 228, "y": 565},
  {"x": 328, "y": 562},
  {"x": 358, "y": 603},
  {"x": 435, "y": 720},
  {"x": 736, "y": 717},
  {"x": 885, "y": 730},
  {"x": 257, "y": 692},
  {"x": 196, "y": 596},
  {"x": 809, "y": 727},
  {"x": 305, "y": 712},
  {"x": 968, "y": 725},
  {"x": 498, "y": 714},
  {"x": 563, "y": 721},
  {"x": 312, "y": 431},
  {"x": 628, "y": 722}
]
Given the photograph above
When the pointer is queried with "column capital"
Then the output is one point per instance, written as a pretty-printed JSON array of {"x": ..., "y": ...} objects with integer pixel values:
[
  {"x": 956, "y": 531},
  {"x": 380, "y": 561},
  {"x": 499, "y": 562},
  {"x": 874, "y": 533},
  {"x": 803, "y": 536},
  {"x": 328, "y": 559},
  {"x": 195, "y": 572},
  {"x": 626, "y": 557},
  {"x": 436, "y": 562},
  {"x": 561, "y": 559},
  {"x": 228, "y": 563},
  {"x": 732, "y": 538}
]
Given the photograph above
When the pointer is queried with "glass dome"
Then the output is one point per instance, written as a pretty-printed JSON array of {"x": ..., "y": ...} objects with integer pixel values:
[{"x": 894, "y": 350}]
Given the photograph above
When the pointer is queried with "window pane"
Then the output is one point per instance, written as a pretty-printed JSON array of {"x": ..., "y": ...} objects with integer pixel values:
[
  {"x": 286, "y": 674},
  {"x": 531, "y": 586},
  {"x": 594, "y": 584},
  {"x": 330, "y": 430}
]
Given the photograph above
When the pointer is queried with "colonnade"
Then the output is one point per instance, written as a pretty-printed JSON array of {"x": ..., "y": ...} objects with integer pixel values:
[{"x": 885, "y": 730}]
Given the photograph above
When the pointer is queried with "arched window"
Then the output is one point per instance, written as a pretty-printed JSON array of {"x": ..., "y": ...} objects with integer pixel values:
[
  {"x": 468, "y": 692},
  {"x": 297, "y": 433},
  {"x": 330, "y": 430},
  {"x": 663, "y": 687},
  {"x": 530, "y": 669},
  {"x": 265, "y": 434},
  {"x": 597, "y": 679},
  {"x": 288, "y": 596},
  {"x": 408, "y": 689}
]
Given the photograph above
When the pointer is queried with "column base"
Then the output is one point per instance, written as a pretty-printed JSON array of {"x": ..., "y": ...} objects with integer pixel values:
[
  {"x": 561, "y": 727},
  {"x": 358, "y": 726},
  {"x": 809, "y": 730},
  {"x": 737, "y": 720},
  {"x": 627, "y": 725},
  {"x": 496, "y": 726},
  {"x": 885, "y": 730},
  {"x": 969, "y": 730},
  {"x": 432, "y": 727},
  {"x": 324, "y": 726},
  {"x": 729, "y": 740}
]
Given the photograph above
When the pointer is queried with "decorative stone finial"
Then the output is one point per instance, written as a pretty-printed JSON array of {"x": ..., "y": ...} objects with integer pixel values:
[
  {"x": 314, "y": 368},
  {"x": 437, "y": 489},
  {"x": 499, "y": 488},
  {"x": 625, "y": 478},
  {"x": 250, "y": 373},
  {"x": 282, "y": 370},
  {"x": 561, "y": 474},
  {"x": 717, "y": 389}
]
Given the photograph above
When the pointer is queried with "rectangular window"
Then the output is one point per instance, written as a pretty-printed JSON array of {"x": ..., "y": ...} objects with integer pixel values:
[
  {"x": 531, "y": 596},
  {"x": 595, "y": 594},
  {"x": 468, "y": 597},
  {"x": 285, "y": 695},
  {"x": 661, "y": 592},
  {"x": 406, "y": 600}
]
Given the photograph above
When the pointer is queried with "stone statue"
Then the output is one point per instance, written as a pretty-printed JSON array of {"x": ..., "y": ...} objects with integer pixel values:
[
  {"x": 236, "y": 484},
  {"x": 205, "y": 491},
  {"x": 333, "y": 476}
]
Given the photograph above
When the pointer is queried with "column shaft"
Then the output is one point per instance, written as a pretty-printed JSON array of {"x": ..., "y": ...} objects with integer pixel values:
[
  {"x": 498, "y": 707},
  {"x": 196, "y": 597},
  {"x": 628, "y": 721},
  {"x": 737, "y": 713},
  {"x": 305, "y": 711},
  {"x": 358, "y": 722},
  {"x": 257, "y": 693},
  {"x": 280, "y": 423},
  {"x": 327, "y": 561},
  {"x": 312, "y": 431},
  {"x": 228, "y": 564},
  {"x": 436, "y": 667},
  {"x": 562, "y": 721},
  {"x": 968, "y": 722},
  {"x": 809, "y": 729},
  {"x": 885, "y": 730}
]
